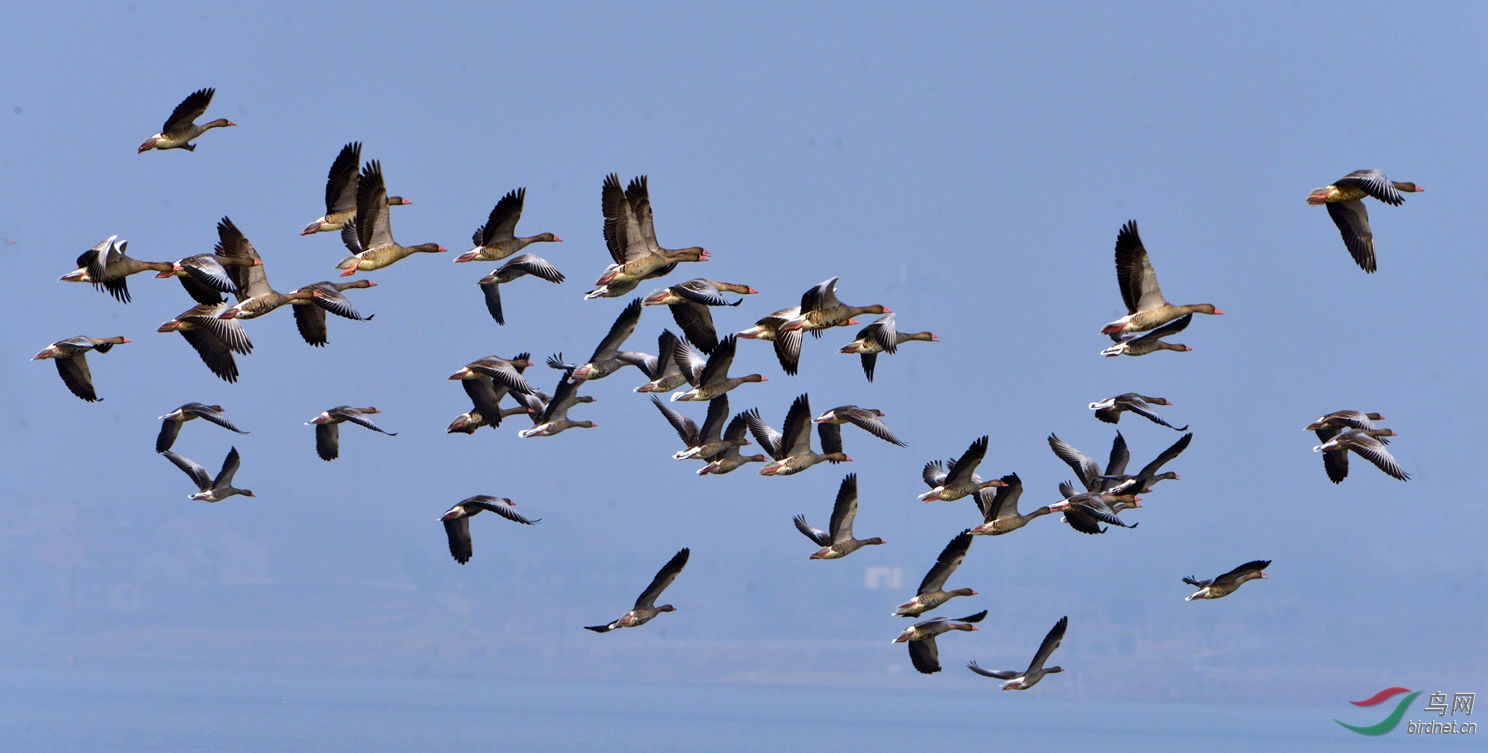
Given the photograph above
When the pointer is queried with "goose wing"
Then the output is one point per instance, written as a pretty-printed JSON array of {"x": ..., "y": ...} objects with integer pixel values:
[
  {"x": 845, "y": 509},
  {"x": 1050, "y": 643},
  {"x": 372, "y": 226},
  {"x": 458, "y": 531},
  {"x": 664, "y": 578},
  {"x": 1085, "y": 468},
  {"x": 1352, "y": 220},
  {"x": 501, "y": 506},
  {"x": 950, "y": 558},
  {"x": 501, "y": 225},
  {"x": 1134, "y": 273},
  {"x": 191, "y": 108},
  {"x": 193, "y": 469},
  {"x": 822, "y": 538},
  {"x": 341, "y": 181},
  {"x": 1233, "y": 577}
]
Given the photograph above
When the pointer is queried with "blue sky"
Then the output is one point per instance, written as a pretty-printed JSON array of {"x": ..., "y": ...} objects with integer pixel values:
[{"x": 967, "y": 166}]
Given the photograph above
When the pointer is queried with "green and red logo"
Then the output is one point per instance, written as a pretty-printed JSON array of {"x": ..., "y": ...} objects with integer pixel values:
[{"x": 1390, "y": 722}]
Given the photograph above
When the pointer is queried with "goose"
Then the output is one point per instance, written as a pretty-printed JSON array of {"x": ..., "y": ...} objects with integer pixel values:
[
  {"x": 170, "y": 423},
  {"x": 870, "y": 420},
  {"x": 645, "y": 606},
  {"x": 504, "y": 372},
  {"x": 702, "y": 443},
  {"x": 787, "y": 344},
  {"x": 1226, "y": 584},
  {"x": 923, "y": 653},
  {"x": 932, "y": 593},
  {"x": 729, "y": 459},
  {"x": 106, "y": 266},
  {"x": 1086, "y": 469},
  {"x": 882, "y": 336},
  {"x": 457, "y": 521},
  {"x": 205, "y": 276},
  {"x": 791, "y": 447},
  {"x": 690, "y": 302},
  {"x": 1150, "y": 342},
  {"x": 369, "y": 237},
  {"x": 1366, "y": 443},
  {"x": 517, "y": 267},
  {"x": 71, "y": 357},
  {"x": 255, "y": 296},
  {"x": 710, "y": 379},
  {"x": 1085, "y": 511},
  {"x": 665, "y": 368},
  {"x": 607, "y": 355},
  {"x": 325, "y": 296},
  {"x": 1345, "y": 201},
  {"x": 1110, "y": 409},
  {"x": 1345, "y": 419},
  {"x": 1116, "y": 482},
  {"x": 208, "y": 488},
  {"x": 489, "y": 379},
  {"x": 213, "y": 338},
  {"x": 630, "y": 235},
  {"x": 999, "y": 508},
  {"x": 1014, "y": 680},
  {"x": 552, "y": 417},
  {"x": 497, "y": 239},
  {"x": 180, "y": 128},
  {"x": 327, "y": 428},
  {"x": 820, "y": 309},
  {"x": 837, "y": 541},
  {"x": 341, "y": 188},
  {"x": 959, "y": 479},
  {"x": 1146, "y": 308},
  {"x": 469, "y": 421}
]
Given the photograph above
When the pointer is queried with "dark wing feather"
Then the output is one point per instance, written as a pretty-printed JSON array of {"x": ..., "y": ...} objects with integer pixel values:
[
  {"x": 492, "y": 291},
  {"x": 77, "y": 377},
  {"x": 664, "y": 578},
  {"x": 962, "y": 470},
  {"x": 1352, "y": 220},
  {"x": 1051, "y": 642},
  {"x": 501, "y": 225},
  {"x": 311, "y": 322},
  {"x": 845, "y": 509},
  {"x": 341, "y": 181},
  {"x": 169, "y": 430},
  {"x": 483, "y": 395},
  {"x": 327, "y": 440},
  {"x": 1249, "y": 567},
  {"x": 1120, "y": 456},
  {"x": 718, "y": 410},
  {"x": 924, "y": 655},
  {"x": 1001, "y": 502},
  {"x": 697, "y": 323},
  {"x": 214, "y": 353},
  {"x": 822, "y": 538},
  {"x": 193, "y": 470},
  {"x": 1083, "y": 466},
  {"x": 686, "y": 429},
  {"x": 458, "y": 531},
  {"x": 501, "y": 506},
  {"x": 189, "y": 110},
  {"x": 950, "y": 558},
  {"x": 994, "y": 673}
]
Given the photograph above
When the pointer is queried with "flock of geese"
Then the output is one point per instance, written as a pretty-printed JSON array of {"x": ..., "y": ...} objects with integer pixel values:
[{"x": 693, "y": 367}]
